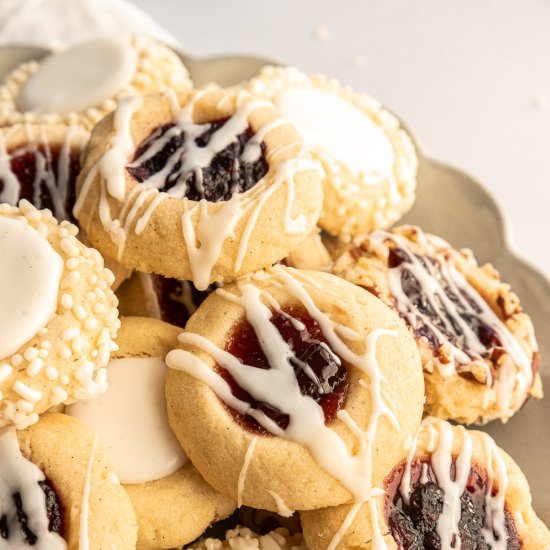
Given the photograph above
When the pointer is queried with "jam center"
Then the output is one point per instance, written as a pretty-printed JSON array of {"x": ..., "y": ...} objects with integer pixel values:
[
  {"x": 188, "y": 161},
  {"x": 46, "y": 179},
  {"x": 319, "y": 371},
  {"x": 413, "y": 524},
  {"x": 23, "y": 509}
]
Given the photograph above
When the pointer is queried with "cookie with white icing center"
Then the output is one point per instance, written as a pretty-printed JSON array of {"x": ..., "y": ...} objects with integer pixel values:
[
  {"x": 290, "y": 380},
  {"x": 454, "y": 484},
  {"x": 58, "y": 316},
  {"x": 173, "y": 504},
  {"x": 478, "y": 347},
  {"x": 369, "y": 161},
  {"x": 81, "y": 83},
  {"x": 204, "y": 187},
  {"x": 57, "y": 489}
]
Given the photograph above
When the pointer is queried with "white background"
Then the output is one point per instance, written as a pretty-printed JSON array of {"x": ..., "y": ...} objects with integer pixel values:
[{"x": 465, "y": 76}]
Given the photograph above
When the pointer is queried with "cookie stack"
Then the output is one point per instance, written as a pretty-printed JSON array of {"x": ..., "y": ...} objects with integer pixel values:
[{"x": 286, "y": 363}]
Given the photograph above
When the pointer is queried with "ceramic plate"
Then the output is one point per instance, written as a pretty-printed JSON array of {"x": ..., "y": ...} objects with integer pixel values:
[{"x": 459, "y": 209}]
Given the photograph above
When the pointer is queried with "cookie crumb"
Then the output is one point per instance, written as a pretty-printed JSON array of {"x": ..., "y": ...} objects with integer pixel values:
[{"x": 322, "y": 33}]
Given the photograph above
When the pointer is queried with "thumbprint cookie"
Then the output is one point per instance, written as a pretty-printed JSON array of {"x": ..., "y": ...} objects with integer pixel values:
[
  {"x": 58, "y": 316},
  {"x": 205, "y": 186},
  {"x": 369, "y": 161},
  {"x": 478, "y": 347},
  {"x": 288, "y": 380},
  {"x": 454, "y": 489},
  {"x": 173, "y": 504},
  {"x": 57, "y": 490},
  {"x": 80, "y": 84}
]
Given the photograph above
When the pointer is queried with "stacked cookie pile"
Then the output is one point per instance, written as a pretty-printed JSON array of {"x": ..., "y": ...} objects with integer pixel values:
[{"x": 284, "y": 366}]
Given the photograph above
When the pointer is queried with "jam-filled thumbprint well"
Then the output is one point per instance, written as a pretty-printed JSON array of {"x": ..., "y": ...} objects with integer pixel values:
[
  {"x": 318, "y": 371},
  {"x": 423, "y": 517},
  {"x": 200, "y": 161}
]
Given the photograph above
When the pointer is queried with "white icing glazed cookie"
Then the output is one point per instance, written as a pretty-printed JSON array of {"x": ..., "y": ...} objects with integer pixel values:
[
  {"x": 242, "y": 538},
  {"x": 294, "y": 390},
  {"x": 206, "y": 186},
  {"x": 478, "y": 347},
  {"x": 369, "y": 160},
  {"x": 453, "y": 485},
  {"x": 40, "y": 163},
  {"x": 81, "y": 84},
  {"x": 173, "y": 504},
  {"x": 68, "y": 495},
  {"x": 58, "y": 315}
]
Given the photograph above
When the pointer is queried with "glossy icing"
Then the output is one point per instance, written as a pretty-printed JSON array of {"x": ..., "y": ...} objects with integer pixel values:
[
  {"x": 131, "y": 420},
  {"x": 30, "y": 275}
]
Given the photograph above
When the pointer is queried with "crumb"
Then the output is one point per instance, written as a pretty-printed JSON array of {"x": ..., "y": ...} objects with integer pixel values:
[
  {"x": 359, "y": 60},
  {"x": 541, "y": 102},
  {"x": 321, "y": 33}
]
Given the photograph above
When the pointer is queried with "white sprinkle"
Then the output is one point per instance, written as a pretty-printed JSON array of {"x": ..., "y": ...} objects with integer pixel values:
[
  {"x": 322, "y": 33},
  {"x": 34, "y": 367},
  {"x": 27, "y": 392},
  {"x": 51, "y": 373},
  {"x": 67, "y": 301},
  {"x": 65, "y": 353},
  {"x": 30, "y": 354},
  {"x": 90, "y": 324},
  {"x": 16, "y": 360},
  {"x": 24, "y": 406},
  {"x": 80, "y": 312},
  {"x": 65, "y": 379},
  {"x": 5, "y": 371},
  {"x": 70, "y": 333},
  {"x": 58, "y": 395}
]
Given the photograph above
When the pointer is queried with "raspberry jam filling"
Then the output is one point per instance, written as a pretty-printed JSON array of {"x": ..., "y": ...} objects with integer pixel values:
[
  {"x": 319, "y": 371},
  {"x": 448, "y": 325},
  {"x": 177, "y": 299},
  {"x": 413, "y": 524},
  {"x": 46, "y": 179},
  {"x": 22, "y": 511},
  {"x": 163, "y": 161}
]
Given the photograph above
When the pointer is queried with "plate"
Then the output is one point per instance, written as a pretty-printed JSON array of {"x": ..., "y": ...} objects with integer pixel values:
[{"x": 458, "y": 208}]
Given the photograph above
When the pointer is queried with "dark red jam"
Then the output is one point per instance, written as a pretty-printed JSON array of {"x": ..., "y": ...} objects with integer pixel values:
[
  {"x": 413, "y": 525},
  {"x": 177, "y": 299},
  {"x": 446, "y": 323},
  {"x": 47, "y": 191},
  {"x": 53, "y": 510},
  {"x": 226, "y": 174},
  {"x": 319, "y": 371}
]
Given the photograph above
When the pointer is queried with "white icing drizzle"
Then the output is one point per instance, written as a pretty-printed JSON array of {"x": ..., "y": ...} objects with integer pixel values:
[
  {"x": 338, "y": 128},
  {"x": 204, "y": 229},
  {"x": 279, "y": 387},
  {"x": 514, "y": 376},
  {"x": 79, "y": 77},
  {"x": 30, "y": 275},
  {"x": 57, "y": 186},
  {"x": 453, "y": 481},
  {"x": 18, "y": 475},
  {"x": 84, "y": 535},
  {"x": 244, "y": 470},
  {"x": 132, "y": 422},
  {"x": 282, "y": 508}
]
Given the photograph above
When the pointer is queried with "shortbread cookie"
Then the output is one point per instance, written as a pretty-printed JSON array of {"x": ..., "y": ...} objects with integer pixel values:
[
  {"x": 40, "y": 163},
  {"x": 311, "y": 254},
  {"x": 368, "y": 159},
  {"x": 173, "y": 504},
  {"x": 58, "y": 491},
  {"x": 207, "y": 187},
  {"x": 454, "y": 485},
  {"x": 80, "y": 84},
  {"x": 242, "y": 538},
  {"x": 293, "y": 379},
  {"x": 170, "y": 300},
  {"x": 58, "y": 315},
  {"x": 477, "y": 346}
]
